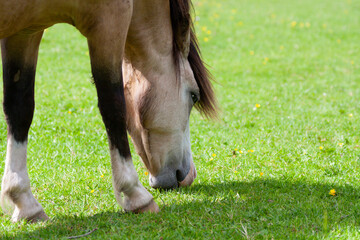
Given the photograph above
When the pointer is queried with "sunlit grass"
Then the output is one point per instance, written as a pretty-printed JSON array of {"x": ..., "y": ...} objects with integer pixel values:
[{"x": 282, "y": 162}]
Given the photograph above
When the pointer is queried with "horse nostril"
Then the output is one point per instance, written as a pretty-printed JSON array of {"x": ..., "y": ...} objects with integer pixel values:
[{"x": 179, "y": 176}]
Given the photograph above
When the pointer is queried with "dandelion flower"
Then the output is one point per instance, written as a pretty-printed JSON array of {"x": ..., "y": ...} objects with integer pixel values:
[
  {"x": 338, "y": 41},
  {"x": 340, "y": 144},
  {"x": 293, "y": 24},
  {"x": 146, "y": 173},
  {"x": 69, "y": 112},
  {"x": 240, "y": 151},
  {"x": 281, "y": 47},
  {"x": 350, "y": 115},
  {"x": 206, "y": 39},
  {"x": 235, "y": 149},
  {"x": 252, "y": 53},
  {"x": 102, "y": 176},
  {"x": 234, "y": 11},
  {"x": 204, "y": 28},
  {"x": 251, "y": 150},
  {"x": 235, "y": 171},
  {"x": 257, "y": 105},
  {"x": 208, "y": 32},
  {"x": 321, "y": 147},
  {"x": 92, "y": 191},
  {"x": 214, "y": 155},
  {"x": 352, "y": 62},
  {"x": 261, "y": 174},
  {"x": 240, "y": 23},
  {"x": 332, "y": 192},
  {"x": 301, "y": 25}
]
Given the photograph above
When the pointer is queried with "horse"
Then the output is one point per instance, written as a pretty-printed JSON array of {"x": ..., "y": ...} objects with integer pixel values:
[{"x": 148, "y": 73}]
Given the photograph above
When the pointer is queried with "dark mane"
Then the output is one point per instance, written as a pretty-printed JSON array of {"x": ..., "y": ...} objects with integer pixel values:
[{"x": 181, "y": 21}]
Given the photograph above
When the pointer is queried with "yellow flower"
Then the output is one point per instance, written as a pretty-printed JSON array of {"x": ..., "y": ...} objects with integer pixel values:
[
  {"x": 235, "y": 171},
  {"x": 324, "y": 25},
  {"x": 235, "y": 149},
  {"x": 92, "y": 191},
  {"x": 338, "y": 41},
  {"x": 214, "y": 155},
  {"x": 206, "y": 39},
  {"x": 233, "y": 10},
  {"x": 87, "y": 53},
  {"x": 211, "y": 159},
  {"x": 332, "y": 192},
  {"x": 204, "y": 28},
  {"x": 301, "y": 25},
  {"x": 102, "y": 176},
  {"x": 240, "y": 151},
  {"x": 146, "y": 173},
  {"x": 257, "y": 105},
  {"x": 69, "y": 112},
  {"x": 251, "y": 150},
  {"x": 281, "y": 47},
  {"x": 252, "y": 53},
  {"x": 293, "y": 24},
  {"x": 266, "y": 59},
  {"x": 340, "y": 144},
  {"x": 307, "y": 25},
  {"x": 321, "y": 147},
  {"x": 208, "y": 32},
  {"x": 350, "y": 115},
  {"x": 261, "y": 174},
  {"x": 240, "y": 23}
]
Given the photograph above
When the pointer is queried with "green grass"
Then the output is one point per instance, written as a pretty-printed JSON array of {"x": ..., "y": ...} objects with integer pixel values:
[{"x": 306, "y": 78}]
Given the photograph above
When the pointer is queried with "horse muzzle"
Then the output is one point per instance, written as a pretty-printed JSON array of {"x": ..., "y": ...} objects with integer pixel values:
[{"x": 172, "y": 178}]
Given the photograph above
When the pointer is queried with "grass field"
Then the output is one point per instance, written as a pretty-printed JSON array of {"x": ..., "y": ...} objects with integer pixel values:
[{"x": 288, "y": 83}]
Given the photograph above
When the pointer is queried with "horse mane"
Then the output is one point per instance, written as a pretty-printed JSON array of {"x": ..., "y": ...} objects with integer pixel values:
[{"x": 181, "y": 21}]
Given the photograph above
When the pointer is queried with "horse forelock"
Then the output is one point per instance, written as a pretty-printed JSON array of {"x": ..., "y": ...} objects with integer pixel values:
[{"x": 180, "y": 11}]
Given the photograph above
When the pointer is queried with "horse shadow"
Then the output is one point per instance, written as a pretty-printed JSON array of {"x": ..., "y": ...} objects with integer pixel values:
[{"x": 261, "y": 208}]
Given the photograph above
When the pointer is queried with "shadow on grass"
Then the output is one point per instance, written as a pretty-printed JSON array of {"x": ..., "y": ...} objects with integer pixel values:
[{"x": 263, "y": 208}]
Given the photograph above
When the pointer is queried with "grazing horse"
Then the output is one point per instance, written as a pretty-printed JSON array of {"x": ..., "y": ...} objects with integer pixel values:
[{"x": 148, "y": 74}]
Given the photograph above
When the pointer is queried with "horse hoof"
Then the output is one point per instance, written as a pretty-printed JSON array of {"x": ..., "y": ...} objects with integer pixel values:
[
  {"x": 152, "y": 207},
  {"x": 38, "y": 217}
]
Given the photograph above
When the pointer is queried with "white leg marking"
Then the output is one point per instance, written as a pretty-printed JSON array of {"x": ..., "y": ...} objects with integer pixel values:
[
  {"x": 15, "y": 187},
  {"x": 125, "y": 180}
]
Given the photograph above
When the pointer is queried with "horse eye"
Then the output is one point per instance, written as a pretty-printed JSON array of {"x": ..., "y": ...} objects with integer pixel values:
[{"x": 194, "y": 98}]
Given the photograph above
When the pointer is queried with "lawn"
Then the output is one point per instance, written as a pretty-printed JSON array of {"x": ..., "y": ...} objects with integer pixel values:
[{"x": 288, "y": 84}]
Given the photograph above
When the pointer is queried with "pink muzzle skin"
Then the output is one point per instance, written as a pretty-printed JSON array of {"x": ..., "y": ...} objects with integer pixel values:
[{"x": 190, "y": 177}]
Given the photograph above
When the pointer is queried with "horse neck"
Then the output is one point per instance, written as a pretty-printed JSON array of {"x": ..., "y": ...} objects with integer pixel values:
[{"x": 149, "y": 46}]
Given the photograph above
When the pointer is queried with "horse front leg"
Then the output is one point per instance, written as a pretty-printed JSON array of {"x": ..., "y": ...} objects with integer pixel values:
[
  {"x": 19, "y": 55},
  {"x": 106, "y": 47}
]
